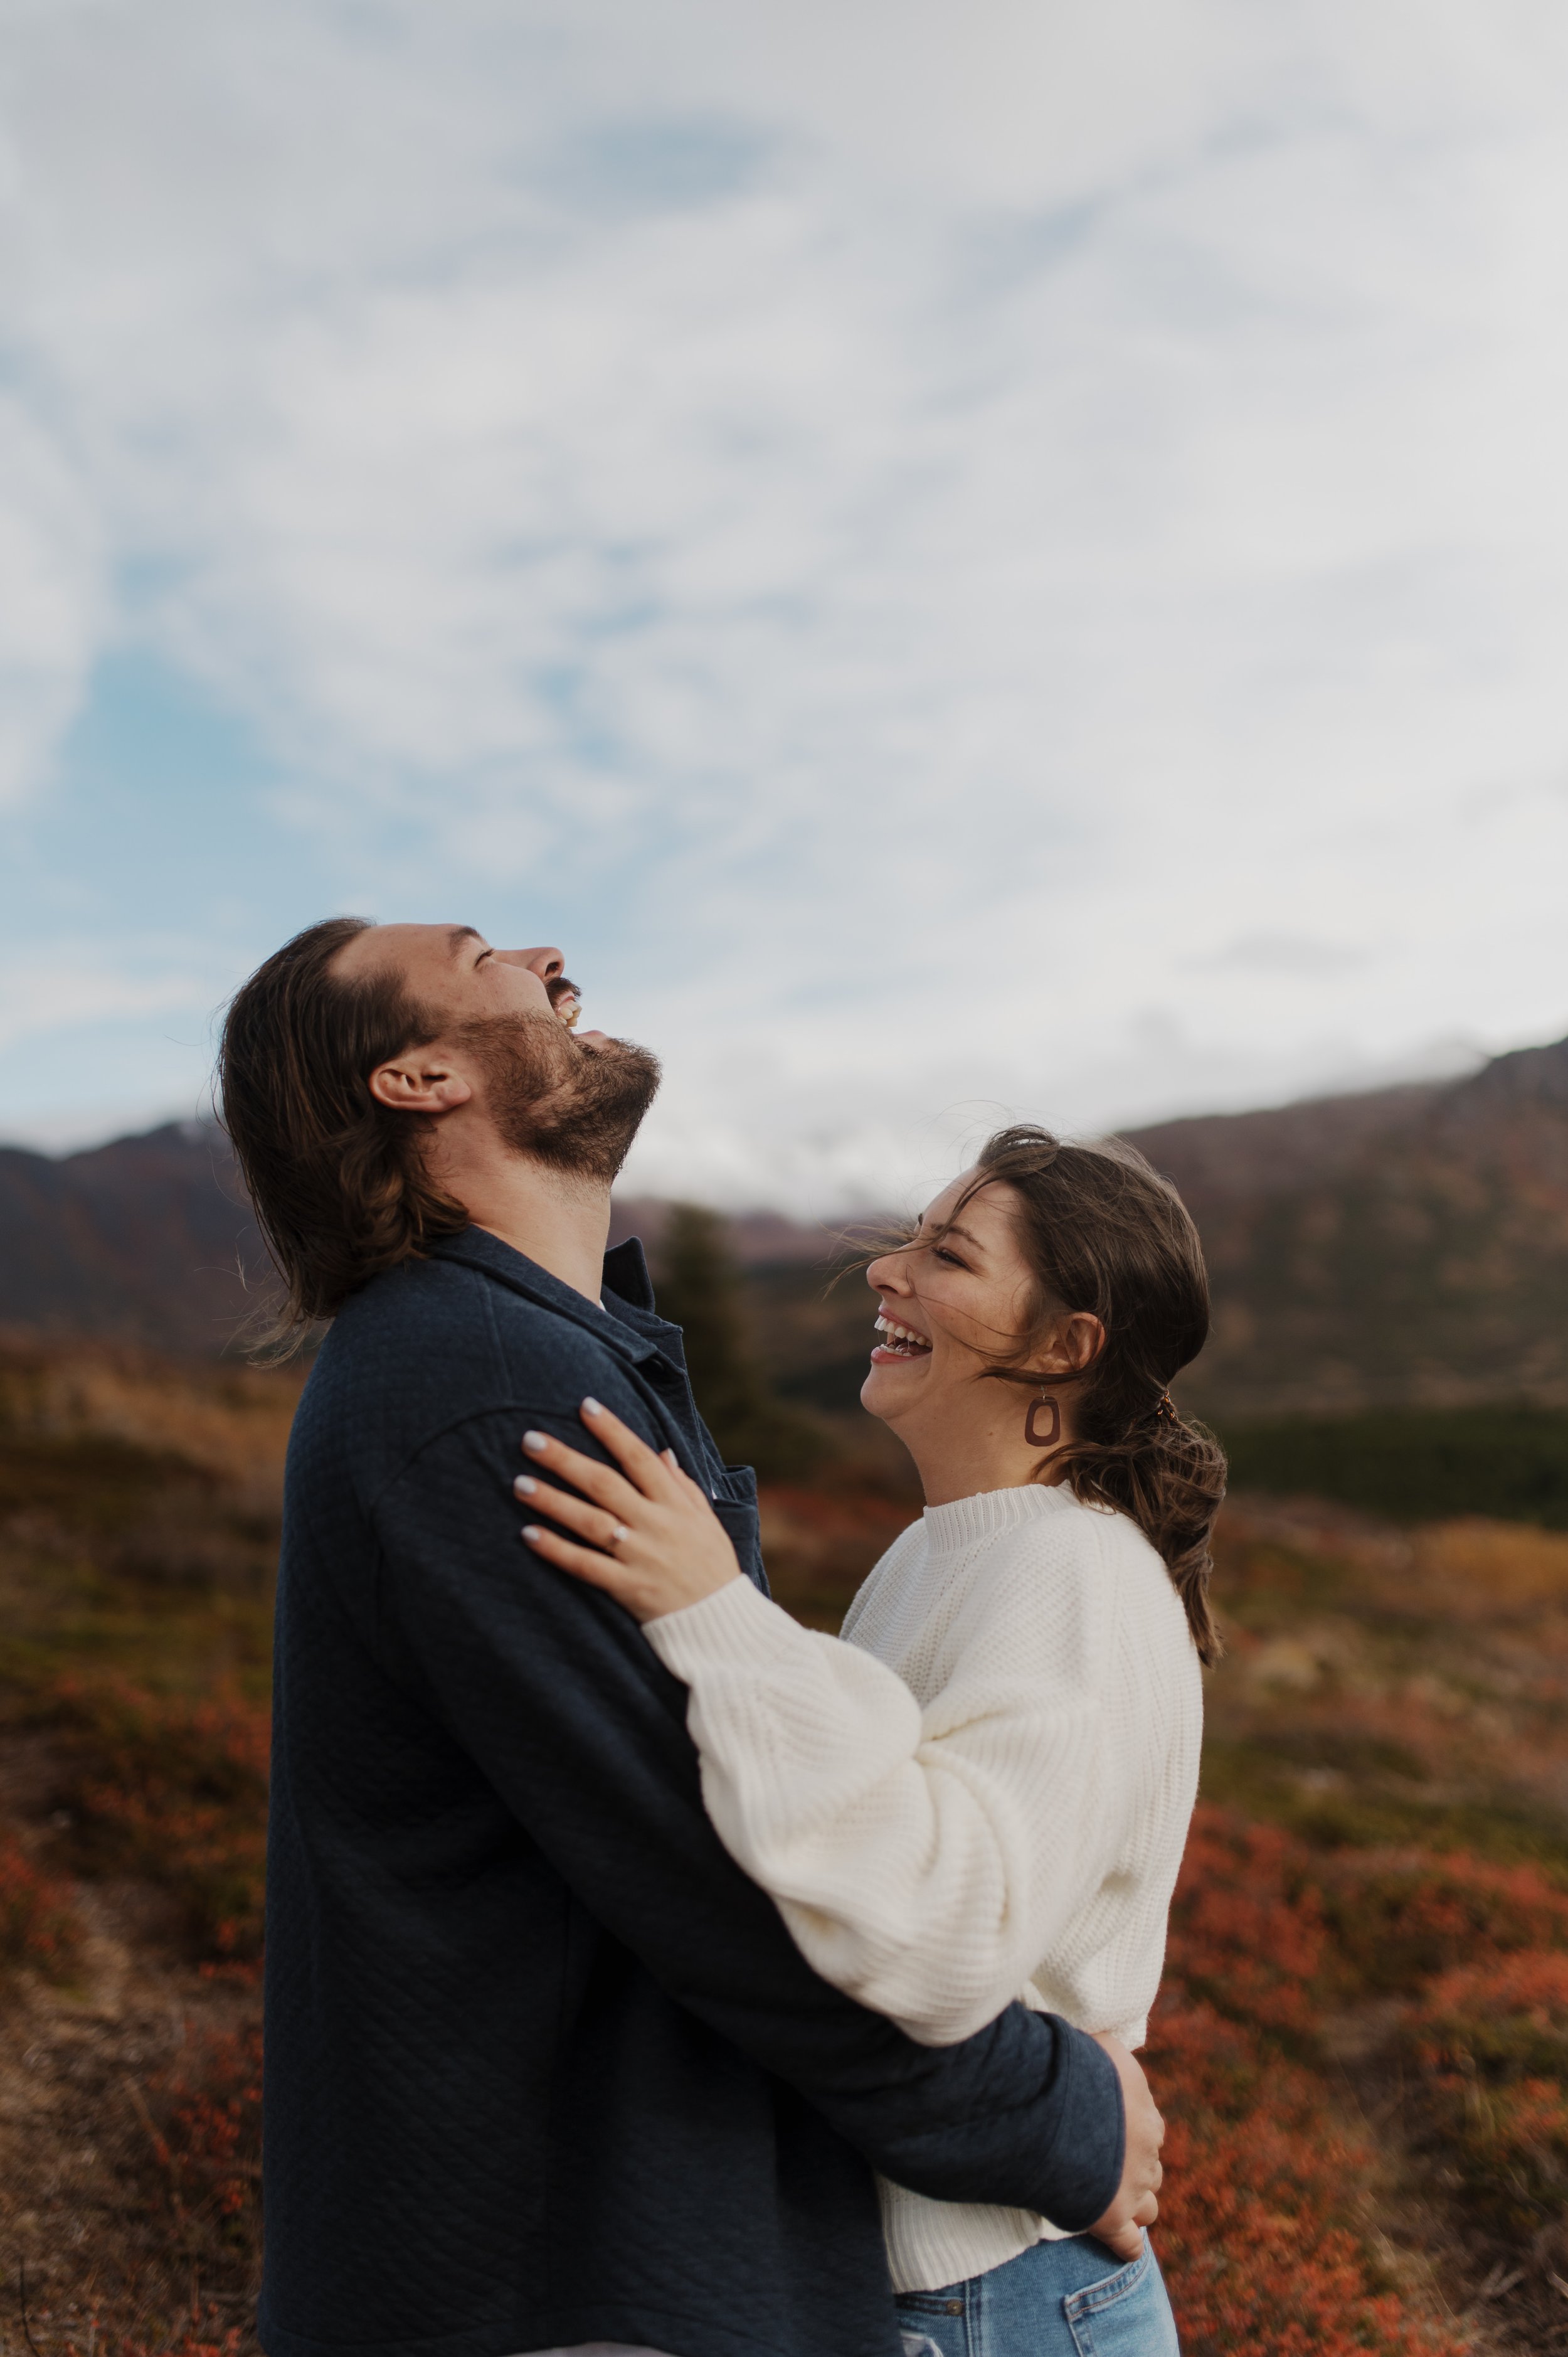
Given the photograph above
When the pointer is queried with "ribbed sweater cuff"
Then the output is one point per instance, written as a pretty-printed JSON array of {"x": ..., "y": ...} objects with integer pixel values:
[{"x": 735, "y": 1621}]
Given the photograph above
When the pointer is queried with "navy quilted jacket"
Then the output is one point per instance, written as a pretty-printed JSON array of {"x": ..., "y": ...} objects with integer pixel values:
[{"x": 543, "y": 2065}]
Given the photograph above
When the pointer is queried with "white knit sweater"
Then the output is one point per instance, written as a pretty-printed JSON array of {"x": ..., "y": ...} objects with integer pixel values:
[{"x": 982, "y": 1793}]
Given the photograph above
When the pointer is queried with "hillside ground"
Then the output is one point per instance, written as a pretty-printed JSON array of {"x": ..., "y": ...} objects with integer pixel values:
[{"x": 1361, "y": 2047}]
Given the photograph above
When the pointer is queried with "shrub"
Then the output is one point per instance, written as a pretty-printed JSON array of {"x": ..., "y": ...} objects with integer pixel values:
[
  {"x": 37, "y": 1923},
  {"x": 1491, "y": 2039},
  {"x": 1267, "y": 2186},
  {"x": 203, "y": 2337},
  {"x": 1247, "y": 1926},
  {"x": 206, "y": 2115},
  {"x": 174, "y": 1791},
  {"x": 1258, "y": 2232},
  {"x": 1397, "y": 1922}
]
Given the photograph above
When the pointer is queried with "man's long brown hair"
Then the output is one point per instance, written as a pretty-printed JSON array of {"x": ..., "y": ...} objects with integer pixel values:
[
  {"x": 1105, "y": 1233},
  {"x": 337, "y": 1179}
]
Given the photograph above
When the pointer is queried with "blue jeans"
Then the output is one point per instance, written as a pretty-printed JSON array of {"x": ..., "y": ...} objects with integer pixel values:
[{"x": 1056, "y": 2300}]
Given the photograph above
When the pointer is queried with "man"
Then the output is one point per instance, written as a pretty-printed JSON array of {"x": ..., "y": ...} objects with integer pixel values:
[{"x": 543, "y": 2069}]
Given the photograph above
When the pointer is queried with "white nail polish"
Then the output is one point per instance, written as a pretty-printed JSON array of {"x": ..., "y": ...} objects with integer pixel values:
[
  {"x": 591, "y": 1407},
  {"x": 531, "y": 1531},
  {"x": 525, "y": 1485},
  {"x": 537, "y": 1442}
]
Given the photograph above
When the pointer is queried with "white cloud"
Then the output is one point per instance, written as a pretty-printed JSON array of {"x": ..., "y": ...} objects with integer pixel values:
[
  {"x": 930, "y": 528},
  {"x": 52, "y": 596},
  {"x": 80, "y": 986}
]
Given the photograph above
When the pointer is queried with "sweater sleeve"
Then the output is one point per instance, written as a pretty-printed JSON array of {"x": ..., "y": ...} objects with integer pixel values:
[{"x": 923, "y": 1860}]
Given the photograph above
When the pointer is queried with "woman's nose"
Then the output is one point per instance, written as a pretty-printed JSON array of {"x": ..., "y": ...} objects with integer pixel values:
[{"x": 886, "y": 1275}]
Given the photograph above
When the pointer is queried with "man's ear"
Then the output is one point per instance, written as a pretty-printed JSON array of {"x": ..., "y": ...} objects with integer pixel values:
[{"x": 418, "y": 1081}]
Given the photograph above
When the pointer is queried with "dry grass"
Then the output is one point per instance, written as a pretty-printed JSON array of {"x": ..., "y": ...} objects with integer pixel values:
[{"x": 231, "y": 1420}]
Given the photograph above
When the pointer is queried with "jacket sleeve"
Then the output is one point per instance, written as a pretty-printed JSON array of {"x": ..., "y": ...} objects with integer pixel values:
[
  {"x": 551, "y": 1689},
  {"x": 924, "y": 1860}
]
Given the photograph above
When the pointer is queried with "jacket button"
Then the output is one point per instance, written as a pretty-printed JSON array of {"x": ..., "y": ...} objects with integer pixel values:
[{"x": 955, "y": 2307}]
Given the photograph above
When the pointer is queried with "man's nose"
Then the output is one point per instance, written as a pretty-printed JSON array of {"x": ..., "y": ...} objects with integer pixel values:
[{"x": 547, "y": 963}]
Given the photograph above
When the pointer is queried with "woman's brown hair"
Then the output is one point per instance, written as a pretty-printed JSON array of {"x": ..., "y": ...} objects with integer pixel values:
[
  {"x": 337, "y": 1180},
  {"x": 1105, "y": 1233}
]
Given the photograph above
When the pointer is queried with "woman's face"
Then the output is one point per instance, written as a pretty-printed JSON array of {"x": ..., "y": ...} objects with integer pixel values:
[{"x": 949, "y": 1307}]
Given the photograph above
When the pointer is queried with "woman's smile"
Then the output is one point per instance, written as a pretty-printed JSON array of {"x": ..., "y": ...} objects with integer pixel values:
[{"x": 897, "y": 1342}]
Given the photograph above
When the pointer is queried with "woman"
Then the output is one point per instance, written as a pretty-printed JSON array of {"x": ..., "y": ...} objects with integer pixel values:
[{"x": 983, "y": 1788}]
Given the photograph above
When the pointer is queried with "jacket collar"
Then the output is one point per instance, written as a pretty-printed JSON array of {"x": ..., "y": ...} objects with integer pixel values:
[
  {"x": 625, "y": 1274},
  {"x": 629, "y": 1309}
]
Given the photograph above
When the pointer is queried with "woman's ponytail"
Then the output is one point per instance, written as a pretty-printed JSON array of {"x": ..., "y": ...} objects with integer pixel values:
[{"x": 1169, "y": 1476}]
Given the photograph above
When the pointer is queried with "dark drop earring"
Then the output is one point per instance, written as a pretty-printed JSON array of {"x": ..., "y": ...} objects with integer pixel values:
[{"x": 1046, "y": 1407}]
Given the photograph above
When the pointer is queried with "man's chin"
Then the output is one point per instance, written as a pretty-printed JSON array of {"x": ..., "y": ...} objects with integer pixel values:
[
  {"x": 586, "y": 1128},
  {"x": 571, "y": 1102}
]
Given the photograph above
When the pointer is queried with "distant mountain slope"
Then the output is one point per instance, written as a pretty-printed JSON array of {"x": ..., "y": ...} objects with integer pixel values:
[
  {"x": 1405, "y": 1246},
  {"x": 142, "y": 1239},
  {"x": 150, "y": 1240}
]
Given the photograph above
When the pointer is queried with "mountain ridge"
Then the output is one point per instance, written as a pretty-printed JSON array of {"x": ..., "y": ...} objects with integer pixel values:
[
  {"x": 1409, "y": 1247},
  {"x": 1403, "y": 1245}
]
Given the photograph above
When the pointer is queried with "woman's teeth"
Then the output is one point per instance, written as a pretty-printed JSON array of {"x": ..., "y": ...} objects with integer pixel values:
[{"x": 901, "y": 1340}]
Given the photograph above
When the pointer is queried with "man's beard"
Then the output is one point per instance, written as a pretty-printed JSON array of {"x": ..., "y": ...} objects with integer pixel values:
[{"x": 573, "y": 1104}]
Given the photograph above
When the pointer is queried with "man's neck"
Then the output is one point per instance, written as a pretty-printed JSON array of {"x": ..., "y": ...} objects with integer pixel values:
[{"x": 556, "y": 1218}]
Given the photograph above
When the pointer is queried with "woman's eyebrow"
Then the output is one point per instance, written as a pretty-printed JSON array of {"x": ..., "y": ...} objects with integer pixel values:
[{"x": 968, "y": 1234}]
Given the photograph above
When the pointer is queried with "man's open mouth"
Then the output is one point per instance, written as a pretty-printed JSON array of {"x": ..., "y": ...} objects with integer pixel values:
[{"x": 898, "y": 1342}]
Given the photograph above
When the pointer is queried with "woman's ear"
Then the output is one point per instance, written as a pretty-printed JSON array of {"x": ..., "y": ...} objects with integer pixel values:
[
  {"x": 418, "y": 1083},
  {"x": 1074, "y": 1344}
]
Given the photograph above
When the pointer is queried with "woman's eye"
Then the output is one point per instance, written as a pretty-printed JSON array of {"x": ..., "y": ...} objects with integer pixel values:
[{"x": 940, "y": 1252}]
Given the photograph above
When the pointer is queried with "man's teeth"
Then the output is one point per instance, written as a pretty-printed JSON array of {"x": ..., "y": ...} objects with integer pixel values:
[{"x": 899, "y": 1338}]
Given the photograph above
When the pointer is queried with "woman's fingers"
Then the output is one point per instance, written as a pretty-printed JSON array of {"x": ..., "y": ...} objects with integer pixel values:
[
  {"x": 649, "y": 1471},
  {"x": 683, "y": 1480},
  {"x": 598, "y": 1524},
  {"x": 584, "y": 1563},
  {"x": 656, "y": 1547},
  {"x": 602, "y": 1483}
]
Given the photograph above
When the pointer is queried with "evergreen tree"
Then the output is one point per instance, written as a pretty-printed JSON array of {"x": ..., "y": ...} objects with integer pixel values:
[{"x": 699, "y": 1289}]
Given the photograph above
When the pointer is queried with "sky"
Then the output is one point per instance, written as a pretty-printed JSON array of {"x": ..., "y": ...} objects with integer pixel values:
[{"x": 966, "y": 562}]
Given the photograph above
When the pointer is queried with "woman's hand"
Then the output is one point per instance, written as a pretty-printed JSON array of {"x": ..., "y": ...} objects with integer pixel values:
[
  {"x": 1136, "y": 2206},
  {"x": 652, "y": 1539}
]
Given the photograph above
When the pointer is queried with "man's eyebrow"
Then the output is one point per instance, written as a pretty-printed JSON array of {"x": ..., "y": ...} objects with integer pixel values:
[{"x": 457, "y": 935}]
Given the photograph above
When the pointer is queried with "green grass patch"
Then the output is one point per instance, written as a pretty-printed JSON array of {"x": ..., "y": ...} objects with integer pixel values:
[
  {"x": 1276, "y": 1779},
  {"x": 1415, "y": 1464}
]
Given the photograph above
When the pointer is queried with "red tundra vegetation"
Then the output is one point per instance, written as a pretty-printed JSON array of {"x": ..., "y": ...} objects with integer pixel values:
[{"x": 1361, "y": 2047}]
